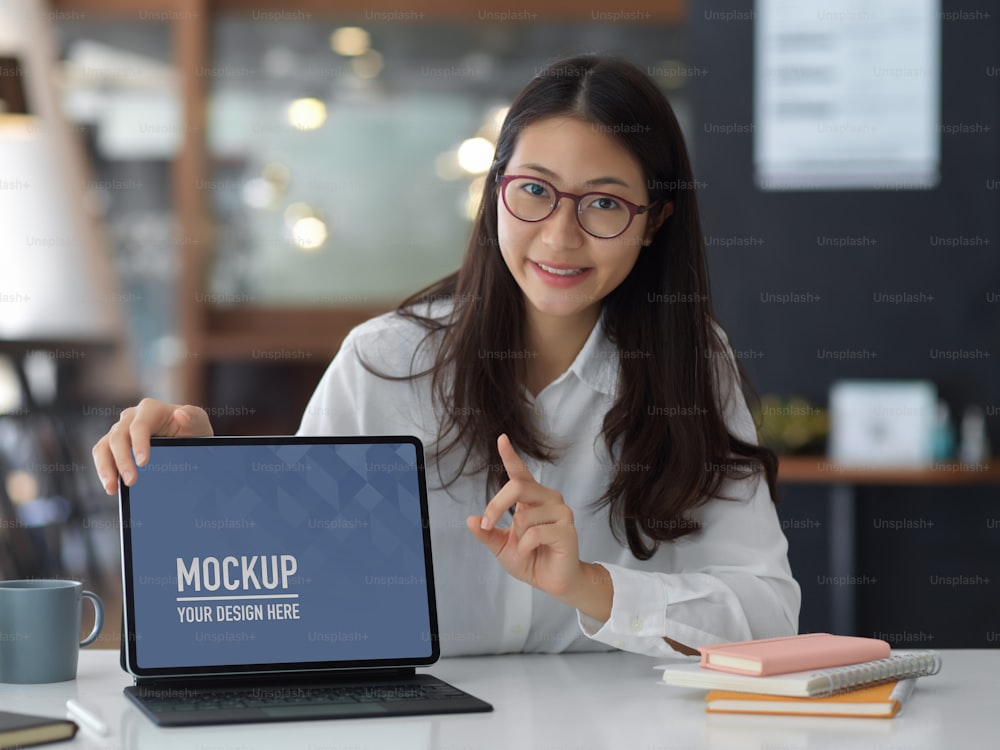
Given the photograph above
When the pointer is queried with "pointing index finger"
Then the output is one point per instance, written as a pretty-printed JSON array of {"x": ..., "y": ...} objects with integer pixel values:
[{"x": 516, "y": 468}]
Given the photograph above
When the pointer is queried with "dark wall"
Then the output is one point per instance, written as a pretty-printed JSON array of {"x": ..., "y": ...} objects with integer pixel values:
[{"x": 838, "y": 253}]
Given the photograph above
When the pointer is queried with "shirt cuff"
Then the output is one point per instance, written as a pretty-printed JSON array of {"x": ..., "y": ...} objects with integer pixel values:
[{"x": 638, "y": 614}]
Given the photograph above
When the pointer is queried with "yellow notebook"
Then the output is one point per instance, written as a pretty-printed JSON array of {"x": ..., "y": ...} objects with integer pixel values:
[{"x": 879, "y": 701}]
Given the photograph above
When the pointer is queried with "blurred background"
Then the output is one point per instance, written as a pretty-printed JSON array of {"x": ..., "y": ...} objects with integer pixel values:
[{"x": 199, "y": 199}]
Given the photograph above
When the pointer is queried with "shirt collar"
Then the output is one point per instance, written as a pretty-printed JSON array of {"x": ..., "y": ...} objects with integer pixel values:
[{"x": 597, "y": 363}]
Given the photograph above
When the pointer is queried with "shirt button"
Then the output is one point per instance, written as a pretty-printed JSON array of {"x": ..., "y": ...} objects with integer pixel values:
[
  {"x": 516, "y": 630},
  {"x": 636, "y": 624},
  {"x": 619, "y": 644}
]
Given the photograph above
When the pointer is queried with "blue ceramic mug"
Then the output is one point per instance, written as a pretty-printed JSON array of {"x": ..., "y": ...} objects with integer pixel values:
[{"x": 40, "y": 629}]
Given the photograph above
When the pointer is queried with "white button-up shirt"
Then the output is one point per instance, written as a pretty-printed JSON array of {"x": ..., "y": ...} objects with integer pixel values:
[{"x": 729, "y": 582}]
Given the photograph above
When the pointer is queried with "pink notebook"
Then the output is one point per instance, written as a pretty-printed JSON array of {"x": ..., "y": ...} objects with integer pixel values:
[{"x": 796, "y": 653}]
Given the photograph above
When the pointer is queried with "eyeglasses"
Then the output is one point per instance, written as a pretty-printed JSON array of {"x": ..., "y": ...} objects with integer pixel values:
[{"x": 601, "y": 215}]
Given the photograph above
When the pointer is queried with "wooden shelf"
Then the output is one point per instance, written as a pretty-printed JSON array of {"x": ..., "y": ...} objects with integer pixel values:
[
  {"x": 279, "y": 334},
  {"x": 821, "y": 470}
]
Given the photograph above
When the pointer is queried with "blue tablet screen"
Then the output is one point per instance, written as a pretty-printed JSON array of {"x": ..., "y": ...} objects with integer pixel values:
[{"x": 276, "y": 554}]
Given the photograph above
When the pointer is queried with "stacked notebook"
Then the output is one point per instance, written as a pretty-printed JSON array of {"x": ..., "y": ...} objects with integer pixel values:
[{"x": 815, "y": 674}]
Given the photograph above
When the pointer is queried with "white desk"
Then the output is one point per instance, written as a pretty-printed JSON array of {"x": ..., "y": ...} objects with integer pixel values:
[{"x": 572, "y": 702}]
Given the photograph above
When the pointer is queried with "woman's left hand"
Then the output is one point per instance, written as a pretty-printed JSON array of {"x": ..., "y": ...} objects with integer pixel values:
[{"x": 540, "y": 545}]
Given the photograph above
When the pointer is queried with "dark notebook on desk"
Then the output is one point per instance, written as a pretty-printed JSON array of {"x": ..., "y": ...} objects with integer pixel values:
[{"x": 271, "y": 579}]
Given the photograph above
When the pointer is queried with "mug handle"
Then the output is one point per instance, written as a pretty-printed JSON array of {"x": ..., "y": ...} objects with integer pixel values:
[{"x": 98, "y": 618}]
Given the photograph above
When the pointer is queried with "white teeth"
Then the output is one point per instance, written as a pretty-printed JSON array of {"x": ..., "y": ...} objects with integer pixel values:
[{"x": 561, "y": 271}]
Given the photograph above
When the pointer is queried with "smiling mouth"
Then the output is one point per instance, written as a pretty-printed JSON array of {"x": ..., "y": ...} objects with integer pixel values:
[{"x": 559, "y": 271}]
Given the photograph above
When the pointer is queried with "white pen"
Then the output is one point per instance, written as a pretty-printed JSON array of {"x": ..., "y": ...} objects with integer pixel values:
[{"x": 86, "y": 718}]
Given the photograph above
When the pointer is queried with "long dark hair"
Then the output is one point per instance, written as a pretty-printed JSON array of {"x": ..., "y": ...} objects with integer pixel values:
[{"x": 667, "y": 417}]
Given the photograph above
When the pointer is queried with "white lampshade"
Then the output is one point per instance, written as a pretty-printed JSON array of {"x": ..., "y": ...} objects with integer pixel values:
[{"x": 56, "y": 277}]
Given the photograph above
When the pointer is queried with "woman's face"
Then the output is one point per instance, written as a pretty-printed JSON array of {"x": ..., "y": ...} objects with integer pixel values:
[{"x": 562, "y": 270}]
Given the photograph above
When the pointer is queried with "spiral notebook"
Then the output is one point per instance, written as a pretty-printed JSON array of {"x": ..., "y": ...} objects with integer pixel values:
[{"x": 812, "y": 683}]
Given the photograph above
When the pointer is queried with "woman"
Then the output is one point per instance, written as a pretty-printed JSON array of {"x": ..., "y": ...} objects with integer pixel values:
[{"x": 625, "y": 502}]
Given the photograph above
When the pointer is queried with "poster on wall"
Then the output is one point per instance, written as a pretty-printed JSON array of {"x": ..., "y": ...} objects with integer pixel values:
[{"x": 847, "y": 94}]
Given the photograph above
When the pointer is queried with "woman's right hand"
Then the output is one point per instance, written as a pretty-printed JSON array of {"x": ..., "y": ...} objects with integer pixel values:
[{"x": 130, "y": 435}]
